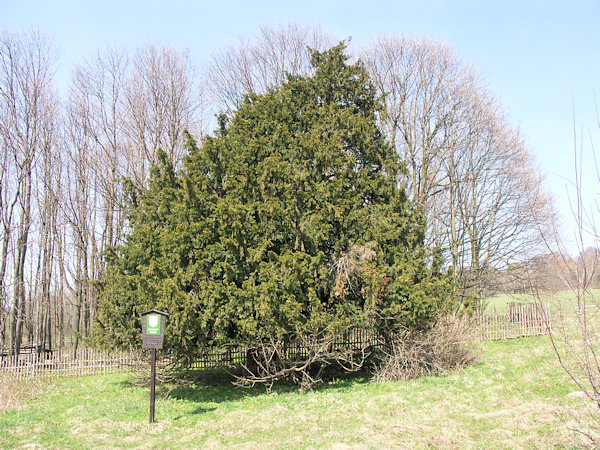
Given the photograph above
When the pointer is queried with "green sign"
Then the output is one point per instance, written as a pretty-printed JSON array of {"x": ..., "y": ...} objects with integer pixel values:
[{"x": 153, "y": 325}]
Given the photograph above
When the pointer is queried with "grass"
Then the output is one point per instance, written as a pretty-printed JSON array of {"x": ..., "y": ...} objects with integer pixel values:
[
  {"x": 499, "y": 303},
  {"x": 515, "y": 397}
]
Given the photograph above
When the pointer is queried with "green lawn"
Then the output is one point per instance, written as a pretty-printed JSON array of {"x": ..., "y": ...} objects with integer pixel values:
[
  {"x": 499, "y": 303},
  {"x": 516, "y": 397}
]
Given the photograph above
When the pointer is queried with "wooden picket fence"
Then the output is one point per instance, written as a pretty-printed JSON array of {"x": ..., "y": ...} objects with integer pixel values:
[
  {"x": 519, "y": 321},
  {"x": 66, "y": 363}
]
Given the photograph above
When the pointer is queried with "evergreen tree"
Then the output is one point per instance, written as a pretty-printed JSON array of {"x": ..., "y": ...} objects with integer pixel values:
[{"x": 289, "y": 220}]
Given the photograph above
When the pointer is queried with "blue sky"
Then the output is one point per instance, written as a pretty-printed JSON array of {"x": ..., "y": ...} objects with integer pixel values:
[{"x": 542, "y": 58}]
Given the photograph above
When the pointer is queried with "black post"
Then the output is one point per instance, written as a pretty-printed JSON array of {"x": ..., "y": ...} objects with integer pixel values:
[{"x": 152, "y": 384}]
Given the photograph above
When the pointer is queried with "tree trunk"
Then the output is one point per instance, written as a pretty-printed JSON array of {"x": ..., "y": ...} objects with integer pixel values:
[{"x": 18, "y": 310}]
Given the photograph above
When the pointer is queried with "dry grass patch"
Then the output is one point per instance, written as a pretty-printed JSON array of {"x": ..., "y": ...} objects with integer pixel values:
[{"x": 17, "y": 393}]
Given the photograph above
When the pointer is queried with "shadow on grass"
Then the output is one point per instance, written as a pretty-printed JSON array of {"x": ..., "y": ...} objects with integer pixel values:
[
  {"x": 217, "y": 387},
  {"x": 199, "y": 410}
]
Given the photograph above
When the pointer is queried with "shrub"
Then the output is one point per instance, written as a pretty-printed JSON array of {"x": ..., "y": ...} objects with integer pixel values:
[{"x": 452, "y": 342}]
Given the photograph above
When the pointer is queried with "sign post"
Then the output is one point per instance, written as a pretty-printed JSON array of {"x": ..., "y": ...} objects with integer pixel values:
[{"x": 153, "y": 335}]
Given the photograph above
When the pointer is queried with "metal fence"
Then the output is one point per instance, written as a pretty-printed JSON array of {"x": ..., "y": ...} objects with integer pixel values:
[{"x": 356, "y": 339}]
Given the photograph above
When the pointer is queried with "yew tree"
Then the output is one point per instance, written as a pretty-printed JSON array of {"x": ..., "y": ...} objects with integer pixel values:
[{"x": 289, "y": 220}]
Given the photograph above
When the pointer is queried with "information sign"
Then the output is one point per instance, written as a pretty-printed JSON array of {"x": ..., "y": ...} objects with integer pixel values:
[{"x": 153, "y": 335}]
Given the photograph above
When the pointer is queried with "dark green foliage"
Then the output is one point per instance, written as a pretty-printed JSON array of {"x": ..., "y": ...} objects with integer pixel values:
[{"x": 289, "y": 220}]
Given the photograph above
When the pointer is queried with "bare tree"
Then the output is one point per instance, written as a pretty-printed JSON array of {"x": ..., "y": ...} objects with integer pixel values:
[
  {"x": 468, "y": 170},
  {"x": 80, "y": 208},
  {"x": 97, "y": 159},
  {"x": 496, "y": 185},
  {"x": 9, "y": 195},
  {"x": 163, "y": 99},
  {"x": 99, "y": 85},
  {"x": 26, "y": 62},
  {"x": 48, "y": 196},
  {"x": 423, "y": 84},
  {"x": 252, "y": 66}
]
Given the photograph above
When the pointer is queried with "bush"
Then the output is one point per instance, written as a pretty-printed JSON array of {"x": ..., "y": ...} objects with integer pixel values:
[{"x": 452, "y": 342}]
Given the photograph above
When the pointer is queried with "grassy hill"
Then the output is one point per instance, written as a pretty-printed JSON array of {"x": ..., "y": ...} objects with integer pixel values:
[{"x": 499, "y": 303}]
